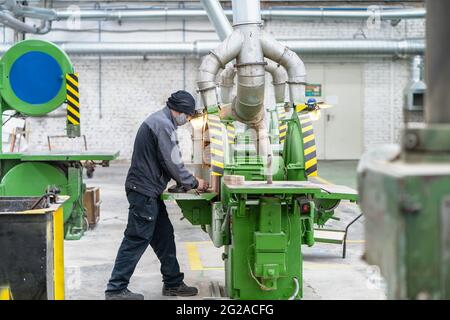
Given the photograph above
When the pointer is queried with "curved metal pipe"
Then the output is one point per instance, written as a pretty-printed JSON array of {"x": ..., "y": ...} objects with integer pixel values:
[
  {"x": 213, "y": 62},
  {"x": 226, "y": 84},
  {"x": 279, "y": 78},
  {"x": 10, "y": 21},
  {"x": 291, "y": 61}
]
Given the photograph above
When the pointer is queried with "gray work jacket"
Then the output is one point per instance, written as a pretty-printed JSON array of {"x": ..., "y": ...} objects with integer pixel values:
[{"x": 157, "y": 158}]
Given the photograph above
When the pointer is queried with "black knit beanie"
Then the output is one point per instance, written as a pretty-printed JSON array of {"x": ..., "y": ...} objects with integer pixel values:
[{"x": 182, "y": 101}]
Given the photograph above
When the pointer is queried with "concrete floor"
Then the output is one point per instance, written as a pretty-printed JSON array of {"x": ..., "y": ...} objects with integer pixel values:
[{"x": 89, "y": 261}]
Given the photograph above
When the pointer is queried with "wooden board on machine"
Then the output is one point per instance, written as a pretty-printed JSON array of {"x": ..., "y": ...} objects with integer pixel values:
[{"x": 92, "y": 203}]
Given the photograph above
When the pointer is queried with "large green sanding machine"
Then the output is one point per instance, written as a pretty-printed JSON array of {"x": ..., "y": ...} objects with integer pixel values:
[{"x": 37, "y": 77}]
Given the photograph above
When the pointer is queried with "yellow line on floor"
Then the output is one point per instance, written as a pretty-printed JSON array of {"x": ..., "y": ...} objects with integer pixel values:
[
  {"x": 193, "y": 256},
  {"x": 195, "y": 262}
]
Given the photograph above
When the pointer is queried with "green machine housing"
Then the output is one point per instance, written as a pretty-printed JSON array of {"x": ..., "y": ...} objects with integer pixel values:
[
  {"x": 37, "y": 77},
  {"x": 406, "y": 201},
  {"x": 262, "y": 225}
]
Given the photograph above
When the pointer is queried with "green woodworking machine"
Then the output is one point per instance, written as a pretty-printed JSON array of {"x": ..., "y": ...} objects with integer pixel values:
[
  {"x": 265, "y": 201},
  {"x": 37, "y": 77},
  {"x": 262, "y": 224}
]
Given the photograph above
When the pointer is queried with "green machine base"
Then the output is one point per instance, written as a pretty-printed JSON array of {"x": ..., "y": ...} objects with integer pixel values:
[
  {"x": 32, "y": 174},
  {"x": 36, "y": 78},
  {"x": 406, "y": 202}
]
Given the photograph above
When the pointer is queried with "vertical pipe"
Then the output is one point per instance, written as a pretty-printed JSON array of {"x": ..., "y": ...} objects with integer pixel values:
[
  {"x": 250, "y": 66},
  {"x": 246, "y": 12},
  {"x": 417, "y": 72},
  {"x": 437, "y": 109}
]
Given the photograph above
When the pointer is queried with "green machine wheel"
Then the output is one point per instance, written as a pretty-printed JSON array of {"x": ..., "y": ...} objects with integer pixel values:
[{"x": 33, "y": 179}]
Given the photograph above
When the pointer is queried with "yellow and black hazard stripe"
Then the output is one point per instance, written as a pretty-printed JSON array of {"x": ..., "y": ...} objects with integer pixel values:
[
  {"x": 231, "y": 132},
  {"x": 282, "y": 125},
  {"x": 73, "y": 99},
  {"x": 216, "y": 130},
  {"x": 309, "y": 145}
]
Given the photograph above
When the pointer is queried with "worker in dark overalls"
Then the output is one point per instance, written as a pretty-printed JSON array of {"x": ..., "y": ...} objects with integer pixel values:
[{"x": 156, "y": 160}]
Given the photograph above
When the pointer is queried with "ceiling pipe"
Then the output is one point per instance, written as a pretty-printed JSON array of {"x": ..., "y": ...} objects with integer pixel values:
[
  {"x": 20, "y": 26},
  {"x": 213, "y": 9},
  {"x": 274, "y": 13},
  {"x": 381, "y": 13},
  {"x": 399, "y": 48},
  {"x": 165, "y": 13},
  {"x": 358, "y": 47}
]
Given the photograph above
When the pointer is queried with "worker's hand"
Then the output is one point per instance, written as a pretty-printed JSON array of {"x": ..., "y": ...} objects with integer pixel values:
[{"x": 203, "y": 185}]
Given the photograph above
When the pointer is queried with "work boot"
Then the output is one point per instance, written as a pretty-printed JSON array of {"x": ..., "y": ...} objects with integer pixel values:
[
  {"x": 124, "y": 294},
  {"x": 182, "y": 290}
]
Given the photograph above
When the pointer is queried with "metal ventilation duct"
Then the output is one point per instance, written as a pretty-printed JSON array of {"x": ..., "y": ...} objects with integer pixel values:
[{"x": 415, "y": 91}]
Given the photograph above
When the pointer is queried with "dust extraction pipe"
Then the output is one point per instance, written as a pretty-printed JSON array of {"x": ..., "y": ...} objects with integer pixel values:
[
  {"x": 226, "y": 83},
  {"x": 249, "y": 46},
  {"x": 224, "y": 29},
  {"x": 279, "y": 79},
  {"x": 250, "y": 63}
]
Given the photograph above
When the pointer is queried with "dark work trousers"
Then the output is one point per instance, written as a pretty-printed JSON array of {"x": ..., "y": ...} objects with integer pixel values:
[{"x": 148, "y": 224}]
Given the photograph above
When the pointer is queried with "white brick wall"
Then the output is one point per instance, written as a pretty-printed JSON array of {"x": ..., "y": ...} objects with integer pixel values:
[{"x": 131, "y": 88}]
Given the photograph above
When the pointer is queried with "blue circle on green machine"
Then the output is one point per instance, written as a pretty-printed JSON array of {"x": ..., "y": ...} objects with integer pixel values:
[{"x": 36, "y": 77}]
